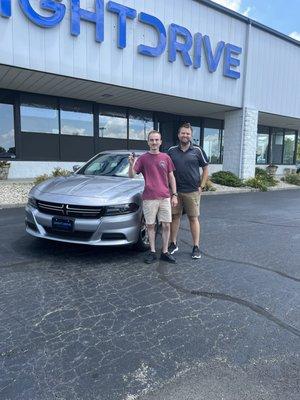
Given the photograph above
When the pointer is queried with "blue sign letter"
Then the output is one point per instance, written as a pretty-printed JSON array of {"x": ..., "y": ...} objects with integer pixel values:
[
  {"x": 182, "y": 48},
  {"x": 5, "y": 8},
  {"x": 123, "y": 13},
  {"x": 197, "y": 50},
  {"x": 49, "y": 5},
  {"x": 97, "y": 17},
  {"x": 212, "y": 60},
  {"x": 230, "y": 61},
  {"x": 162, "y": 36}
]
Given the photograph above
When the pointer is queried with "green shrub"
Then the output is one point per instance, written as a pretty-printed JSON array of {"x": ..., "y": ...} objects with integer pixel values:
[
  {"x": 55, "y": 173},
  {"x": 226, "y": 178},
  {"x": 60, "y": 172},
  {"x": 257, "y": 183},
  {"x": 293, "y": 179},
  {"x": 264, "y": 176},
  {"x": 41, "y": 178}
]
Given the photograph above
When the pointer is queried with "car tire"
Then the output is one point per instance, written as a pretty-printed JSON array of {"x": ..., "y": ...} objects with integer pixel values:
[{"x": 143, "y": 240}]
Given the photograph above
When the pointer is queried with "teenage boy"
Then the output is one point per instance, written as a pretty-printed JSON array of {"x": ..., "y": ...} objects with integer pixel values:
[{"x": 157, "y": 169}]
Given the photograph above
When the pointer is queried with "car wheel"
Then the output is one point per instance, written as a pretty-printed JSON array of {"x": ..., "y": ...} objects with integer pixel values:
[{"x": 143, "y": 241}]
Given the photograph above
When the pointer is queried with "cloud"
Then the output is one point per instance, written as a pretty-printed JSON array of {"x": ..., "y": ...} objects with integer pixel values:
[
  {"x": 295, "y": 35},
  {"x": 234, "y": 5},
  {"x": 247, "y": 11}
]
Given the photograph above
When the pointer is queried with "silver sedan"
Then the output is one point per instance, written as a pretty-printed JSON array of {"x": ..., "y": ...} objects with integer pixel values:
[{"x": 97, "y": 205}]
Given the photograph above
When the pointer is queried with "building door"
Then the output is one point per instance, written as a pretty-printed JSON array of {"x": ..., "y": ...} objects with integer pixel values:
[
  {"x": 167, "y": 125},
  {"x": 7, "y": 131}
]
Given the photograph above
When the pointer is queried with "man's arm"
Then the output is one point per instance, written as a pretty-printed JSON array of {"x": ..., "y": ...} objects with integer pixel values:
[
  {"x": 204, "y": 177},
  {"x": 172, "y": 183},
  {"x": 131, "y": 171}
]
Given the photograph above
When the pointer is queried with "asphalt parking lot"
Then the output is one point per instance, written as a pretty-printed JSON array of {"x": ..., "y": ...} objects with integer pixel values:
[{"x": 92, "y": 323}]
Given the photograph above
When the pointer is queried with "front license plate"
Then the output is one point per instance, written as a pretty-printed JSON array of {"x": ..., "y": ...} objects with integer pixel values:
[{"x": 61, "y": 224}]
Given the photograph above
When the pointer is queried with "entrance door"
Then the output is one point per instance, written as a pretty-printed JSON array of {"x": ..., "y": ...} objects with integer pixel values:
[
  {"x": 7, "y": 131},
  {"x": 167, "y": 126}
]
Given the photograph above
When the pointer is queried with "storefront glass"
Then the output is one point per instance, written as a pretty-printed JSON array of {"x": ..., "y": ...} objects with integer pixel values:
[
  {"x": 76, "y": 118},
  {"x": 140, "y": 124},
  {"x": 7, "y": 132},
  {"x": 39, "y": 115},
  {"x": 212, "y": 144},
  {"x": 289, "y": 148},
  {"x": 262, "y": 148}
]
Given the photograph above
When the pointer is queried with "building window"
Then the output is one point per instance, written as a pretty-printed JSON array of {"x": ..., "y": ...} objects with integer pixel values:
[
  {"x": 277, "y": 146},
  {"x": 140, "y": 124},
  {"x": 112, "y": 124},
  {"x": 289, "y": 147},
  {"x": 262, "y": 148},
  {"x": 7, "y": 131},
  {"x": 298, "y": 151},
  {"x": 196, "y": 135},
  {"x": 76, "y": 118},
  {"x": 39, "y": 114},
  {"x": 212, "y": 141}
]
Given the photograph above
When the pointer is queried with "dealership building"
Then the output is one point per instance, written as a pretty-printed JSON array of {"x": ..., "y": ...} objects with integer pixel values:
[{"x": 80, "y": 77}]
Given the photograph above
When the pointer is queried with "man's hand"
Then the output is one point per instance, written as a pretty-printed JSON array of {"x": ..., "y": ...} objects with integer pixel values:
[
  {"x": 132, "y": 159},
  {"x": 174, "y": 201},
  {"x": 200, "y": 189}
]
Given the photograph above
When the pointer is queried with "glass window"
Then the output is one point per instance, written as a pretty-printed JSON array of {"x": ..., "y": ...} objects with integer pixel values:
[
  {"x": 289, "y": 147},
  {"x": 112, "y": 123},
  {"x": 76, "y": 118},
  {"x": 7, "y": 132},
  {"x": 212, "y": 144},
  {"x": 262, "y": 148},
  {"x": 109, "y": 165},
  {"x": 140, "y": 124},
  {"x": 277, "y": 146},
  {"x": 196, "y": 135},
  {"x": 298, "y": 150},
  {"x": 39, "y": 114}
]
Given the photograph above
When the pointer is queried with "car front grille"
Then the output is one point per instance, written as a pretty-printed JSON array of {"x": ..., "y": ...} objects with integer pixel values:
[
  {"x": 79, "y": 235},
  {"x": 70, "y": 210}
]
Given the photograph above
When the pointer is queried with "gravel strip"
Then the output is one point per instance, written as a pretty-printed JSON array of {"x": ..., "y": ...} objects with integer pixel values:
[{"x": 14, "y": 194}]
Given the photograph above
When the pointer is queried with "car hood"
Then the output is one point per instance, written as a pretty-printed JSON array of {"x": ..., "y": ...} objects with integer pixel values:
[{"x": 104, "y": 188}]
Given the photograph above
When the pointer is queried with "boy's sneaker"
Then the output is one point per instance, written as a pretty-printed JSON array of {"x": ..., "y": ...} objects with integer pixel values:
[
  {"x": 168, "y": 258},
  {"x": 150, "y": 258},
  {"x": 196, "y": 252},
  {"x": 172, "y": 248}
]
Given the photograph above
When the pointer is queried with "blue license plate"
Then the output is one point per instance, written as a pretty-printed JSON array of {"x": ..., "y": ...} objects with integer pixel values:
[{"x": 61, "y": 224}]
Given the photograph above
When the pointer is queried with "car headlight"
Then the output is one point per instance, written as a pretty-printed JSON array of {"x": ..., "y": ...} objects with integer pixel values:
[
  {"x": 121, "y": 209},
  {"x": 32, "y": 202}
]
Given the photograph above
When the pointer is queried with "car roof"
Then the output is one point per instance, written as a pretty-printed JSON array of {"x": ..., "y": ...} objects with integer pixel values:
[{"x": 137, "y": 152}]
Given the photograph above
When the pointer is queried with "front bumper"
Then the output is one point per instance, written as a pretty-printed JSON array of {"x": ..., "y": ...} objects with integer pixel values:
[{"x": 118, "y": 230}]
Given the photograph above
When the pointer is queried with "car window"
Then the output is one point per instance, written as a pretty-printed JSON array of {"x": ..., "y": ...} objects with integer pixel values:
[{"x": 108, "y": 165}]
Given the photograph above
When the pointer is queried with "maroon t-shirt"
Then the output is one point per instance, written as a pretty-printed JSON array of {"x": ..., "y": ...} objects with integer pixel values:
[{"x": 155, "y": 169}]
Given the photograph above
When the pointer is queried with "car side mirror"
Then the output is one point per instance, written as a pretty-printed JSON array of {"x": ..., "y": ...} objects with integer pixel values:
[{"x": 76, "y": 168}]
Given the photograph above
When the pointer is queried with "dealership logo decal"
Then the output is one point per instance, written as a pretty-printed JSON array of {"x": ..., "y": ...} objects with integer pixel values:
[{"x": 177, "y": 39}]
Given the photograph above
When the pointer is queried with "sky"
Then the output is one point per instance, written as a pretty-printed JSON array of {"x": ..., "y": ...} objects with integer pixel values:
[{"x": 281, "y": 15}]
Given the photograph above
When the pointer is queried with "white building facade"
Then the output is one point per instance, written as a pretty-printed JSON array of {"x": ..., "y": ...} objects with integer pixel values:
[{"x": 79, "y": 77}]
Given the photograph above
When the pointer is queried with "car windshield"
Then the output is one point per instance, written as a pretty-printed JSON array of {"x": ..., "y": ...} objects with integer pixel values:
[{"x": 108, "y": 165}]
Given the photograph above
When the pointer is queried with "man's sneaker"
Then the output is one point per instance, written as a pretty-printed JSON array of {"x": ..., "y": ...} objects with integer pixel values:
[
  {"x": 172, "y": 248},
  {"x": 196, "y": 252},
  {"x": 150, "y": 258},
  {"x": 168, "y": 258}
]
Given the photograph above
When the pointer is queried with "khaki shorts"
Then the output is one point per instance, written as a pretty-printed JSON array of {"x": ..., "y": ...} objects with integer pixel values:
[
  {"x": 157, "y": 208},
  {"x": 190, "y": 202}
]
